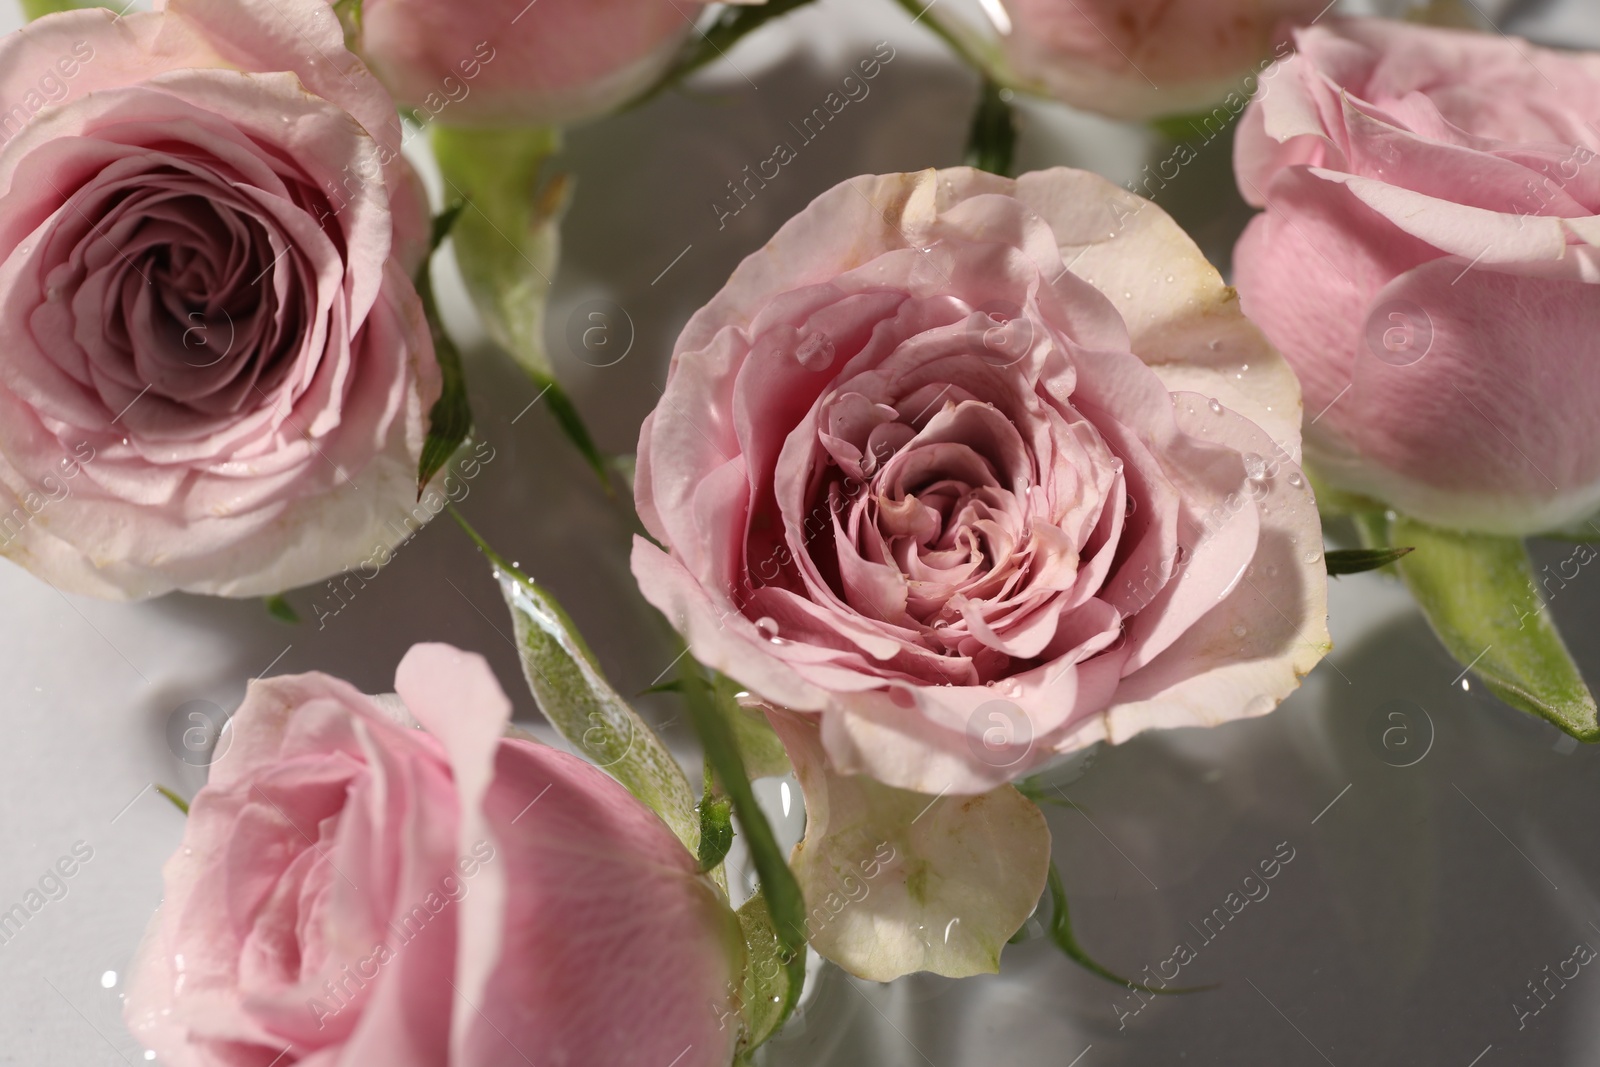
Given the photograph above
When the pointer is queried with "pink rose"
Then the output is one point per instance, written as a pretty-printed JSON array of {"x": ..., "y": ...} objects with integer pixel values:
[
  {"x": 1428, "y": 262},
  {"x": 1137, "y": 59},
  {"x": 214, "y": 371},
  {"x": 978, "y": 472},
  {"x": 511, "y": 62},
  {"x": 354, "y": 892}
]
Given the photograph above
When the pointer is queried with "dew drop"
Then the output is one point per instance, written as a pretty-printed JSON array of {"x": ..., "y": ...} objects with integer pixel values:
[
  {"x": 1239, "y": 631},
  {"x": 1313, "y": 555},
  {"x": 1296, "y": 481},
  {"x": 1170, "y": 279},
  {"x": 24, "y": 250},
  {"x": 1215, "y": 346},
  {"x": 1127, "y": 296},
  {"x": 769, "y": 628},
  {"x": 816, "y": 351},
  {"x": 1130, "y": 506},
  {"x": 1255, "y": 468},
  {"x": 1215, "y": 405}
]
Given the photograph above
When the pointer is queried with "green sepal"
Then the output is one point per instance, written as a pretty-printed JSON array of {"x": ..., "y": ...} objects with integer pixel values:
[
  {"x": 281, "y": 609},
  {"x": 992, "y": 137},
  {"x": 574, "y": 695},
  {"x": 1061, "y": 933},
  {"x": 1359, "y": 560},
  {"x": 773, "y": 978},
  {"x": 177, "y": 801},
  {"x": 1480, "y": 595}
]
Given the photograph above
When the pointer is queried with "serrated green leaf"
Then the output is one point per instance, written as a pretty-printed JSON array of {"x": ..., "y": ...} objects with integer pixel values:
[
  {"x": 772, "y": 980},
  {"x": 1481, "y": 597},
  {"x": 574, "y": 695},
  {"x": 721, "y": 745},
  {"x": 1061, "y": 935},
  {"x": 992, "y": 137},
  {"x": 281, "y": 609},
  {"x": 1359, "y": 560},
  {"x": 507, "y": 242}
]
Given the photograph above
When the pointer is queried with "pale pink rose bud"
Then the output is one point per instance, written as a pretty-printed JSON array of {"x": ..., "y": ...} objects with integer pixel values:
[
  {"x": 353, "y": 890},
  {"x": 512, "y": 62},
  {"x": 214, "y": 371},
  {"x": 1136, "y": 59},
  {"x": 976, "y": 472},
  {"x": 1428, "y": 261}
]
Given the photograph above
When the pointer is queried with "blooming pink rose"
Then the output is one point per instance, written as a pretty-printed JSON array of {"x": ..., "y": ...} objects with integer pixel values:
[
  {"x": 214, "y": 371},
  {"x": 358, "y": 893},
  {"x": 1428, "y": 262},
  {"x": 1137, "y": 59},
  {"x": 511, "y": 62},
  {"x": 980, "y": 471}
]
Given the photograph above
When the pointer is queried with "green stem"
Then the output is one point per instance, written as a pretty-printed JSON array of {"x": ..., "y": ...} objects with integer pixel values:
[{"x": 992, "y": 138}]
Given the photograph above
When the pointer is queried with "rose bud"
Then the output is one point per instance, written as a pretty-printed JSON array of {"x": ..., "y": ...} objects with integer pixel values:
[
  {"x": 976, "y": 472},
  {"x": 352, "y": 890},
  {"x": 1136, "y": 59},
  {"x": 511, "y": 62},
  {"x": 214, "y": 371},
  {"x": 1427, "y": 262}
]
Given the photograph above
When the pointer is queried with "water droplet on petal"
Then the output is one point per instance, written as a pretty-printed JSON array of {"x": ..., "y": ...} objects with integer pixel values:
[
  {"x": 769, "y": 629},
  {"x": 1215, "y": 405},
  {"x": 1215, "y": 345},
  {"x": 1296, "y": 481},
  {"x": 1239, "y": 631},
  {"x": 816, "y": 351},
  {"x": 1170, "y": 279},
  {"x": 1255, "y": 468},
  {"x": 1313, "y": 555}
]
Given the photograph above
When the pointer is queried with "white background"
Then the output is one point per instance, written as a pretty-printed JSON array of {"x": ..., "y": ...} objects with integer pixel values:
[{"x": 1400, "y": 933}]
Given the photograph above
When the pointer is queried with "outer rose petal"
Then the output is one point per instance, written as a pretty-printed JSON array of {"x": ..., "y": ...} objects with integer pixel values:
[
  {"x": 942, "y": 883},
  {"x": 1182, "y": 320},
  {"x": 558, "y": 62},
  {"x": 733, "y": 431},
  {"x": 1438, "y": 186},
  {"x": 577, "y": 928}
]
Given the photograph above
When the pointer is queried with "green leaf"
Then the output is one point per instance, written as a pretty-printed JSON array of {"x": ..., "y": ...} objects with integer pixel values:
[
  {"x": 575, "y": 696},
  {"x": 773, "y": 977},
  {"x": 992, "y": 138},
  {"x": 177, "y": 801},
  {"x": 281, "y": 609},
  {"x": 1480, "y": 595},
  {"x": 716, "y": 825},
  {"x": 722, "y": 752},
  {"x": 507, "y": 242},
  {"x": 1061, "y": 934},
  {"x": 1357, "y": 560}
]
